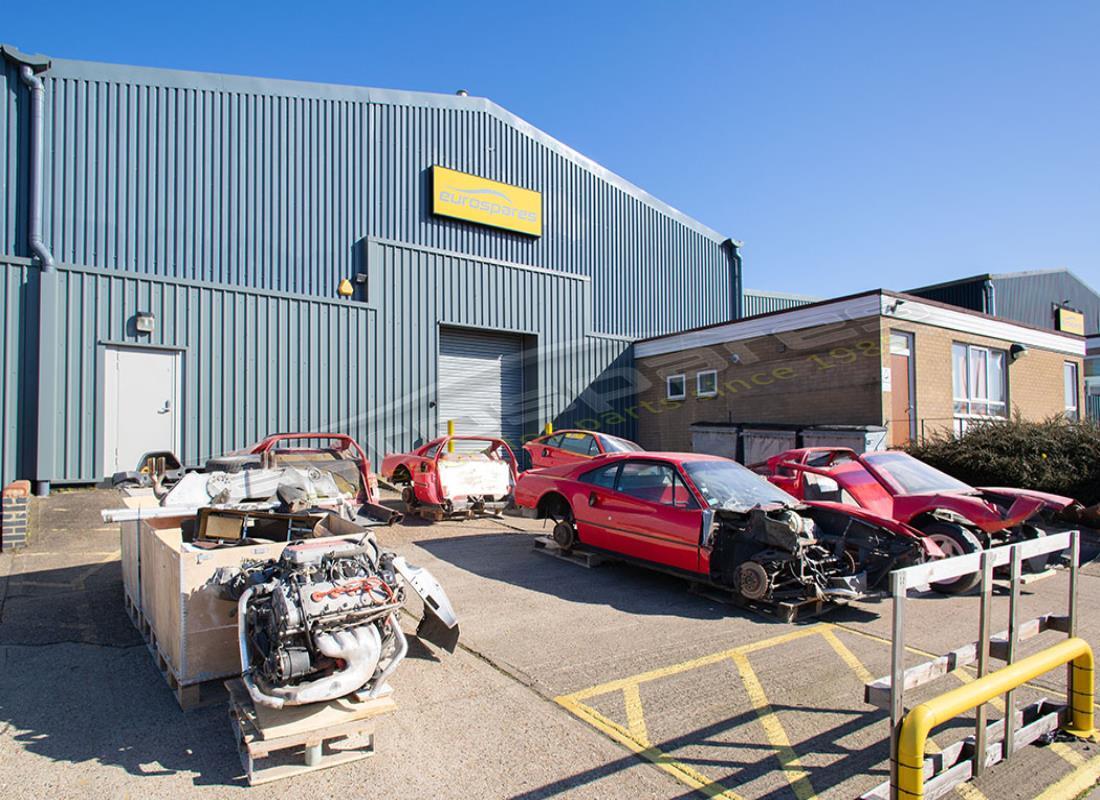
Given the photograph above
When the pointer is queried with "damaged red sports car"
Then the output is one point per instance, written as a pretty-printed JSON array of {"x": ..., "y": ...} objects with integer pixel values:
[
  {"x": 717, "y": 523},
  {"x": 960, "y": 518}
]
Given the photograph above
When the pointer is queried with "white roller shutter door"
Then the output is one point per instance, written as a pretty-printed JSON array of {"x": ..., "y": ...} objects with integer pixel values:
[{"x": 481, "y": 384}]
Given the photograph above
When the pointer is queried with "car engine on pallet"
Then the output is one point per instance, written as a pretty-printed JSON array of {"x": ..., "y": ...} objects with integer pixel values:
[
  {"x": 321, "y": 621},
  {"x": 777, "y": 554}
]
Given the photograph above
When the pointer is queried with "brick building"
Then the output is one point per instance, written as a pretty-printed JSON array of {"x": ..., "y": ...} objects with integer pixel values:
[{"x": 878, "y": 358}]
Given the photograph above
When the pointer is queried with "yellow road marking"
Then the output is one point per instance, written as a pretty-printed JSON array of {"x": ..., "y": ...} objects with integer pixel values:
[
  {"x": 969, "y": 791},
  {"x": 635, "y": 719},
  {"x": 695, "y": 663},
  {"x": 848, "y": 656},
  {"x": 1067, "y": 754},
  {"x": 1079, "y": 780},
  {"x": 681, "y": 772},
  {"x": 796, "y": 776}
]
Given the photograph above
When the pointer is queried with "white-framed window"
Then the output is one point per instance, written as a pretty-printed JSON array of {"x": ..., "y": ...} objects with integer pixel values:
[
  {"x": 676, "y": 386},
  {"x": 1069, "y": 375},
  {"x": 979, "y": 379},
  {"x": 706, "y": 383}
]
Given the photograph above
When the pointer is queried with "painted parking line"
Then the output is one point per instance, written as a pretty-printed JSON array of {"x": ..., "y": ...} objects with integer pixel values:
[{"x": 634, "y": 735}]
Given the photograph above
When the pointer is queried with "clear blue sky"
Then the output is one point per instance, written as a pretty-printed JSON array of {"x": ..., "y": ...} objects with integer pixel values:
[{"x": 850, "y": 145}]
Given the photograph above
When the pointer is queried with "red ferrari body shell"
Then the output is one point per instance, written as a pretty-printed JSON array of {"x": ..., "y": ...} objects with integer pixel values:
[
  {"x": 278, "y": 444},
  {"x": 543, "y": 455},
  {"x": 422, "y": 467},
  {"x": 876, "y": 491},
  {"x": 649, "y": 529}
]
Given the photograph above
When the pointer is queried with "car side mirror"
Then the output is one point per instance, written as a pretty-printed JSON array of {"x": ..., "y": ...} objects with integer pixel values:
[
  {"x": 592, "y": 498},
  {"x": 546, "y": 452}
]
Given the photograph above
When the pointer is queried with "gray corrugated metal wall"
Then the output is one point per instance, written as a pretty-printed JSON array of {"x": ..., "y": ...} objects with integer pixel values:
[
  {"x": 203, "y": 194},
  {"x": 756, "y": 302},
  {"x": 18, "y": 305},
  {"x": 1030, "y": 297},
  {"x": 965, "y": 294},
  {"x": 269, "y": 184},
  {"x": 254, "y": 363}
]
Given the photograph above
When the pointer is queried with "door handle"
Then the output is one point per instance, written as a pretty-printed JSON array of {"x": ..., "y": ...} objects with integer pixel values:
[{"x": 167, "y": 407}]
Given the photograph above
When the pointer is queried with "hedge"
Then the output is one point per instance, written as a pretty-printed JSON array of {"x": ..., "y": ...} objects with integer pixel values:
[{"x": 1055, "y": 455}]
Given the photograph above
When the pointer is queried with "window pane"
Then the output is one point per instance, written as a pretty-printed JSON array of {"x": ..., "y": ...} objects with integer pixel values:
[
  {"x": 1069, "y": 373},
  {"x": 604, "y": 476},
  {"x": 979, "y": 388},
  {"x": 554, "y": 441},
  {"x": 997, "y": 376},
  {"x": 647, "y": 481},
  {"x": 958, "y": 367},
  {"x": 706, "y": 383},
  {"x": 676, "y": 386},
  {"x": 577, "y": 443}
]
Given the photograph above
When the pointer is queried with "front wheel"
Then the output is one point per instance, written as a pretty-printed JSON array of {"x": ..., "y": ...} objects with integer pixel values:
[{"x": 954, "y": 540}]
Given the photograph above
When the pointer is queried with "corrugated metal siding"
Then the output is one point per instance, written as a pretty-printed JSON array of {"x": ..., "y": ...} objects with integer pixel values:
[
  {"x": 416, "y": 291},
  {"x": 754, "y": 302},
  {"x": 1031, "y": 298},
  {"x": 246, "y": 182},
  {"x": 13, "y": 173},
  {"x": 481, "y": 384},
  {"x": 18, "y": 301},
  {"x": 965, "y": 295},
  {"x": 254, "y": 363}
]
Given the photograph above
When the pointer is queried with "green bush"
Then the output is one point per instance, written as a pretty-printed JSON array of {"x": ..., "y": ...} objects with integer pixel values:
[{"x": 1055, "y": 455}]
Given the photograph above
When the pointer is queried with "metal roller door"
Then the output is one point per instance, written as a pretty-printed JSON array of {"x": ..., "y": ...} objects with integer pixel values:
[{"x": 481, "y": 383}]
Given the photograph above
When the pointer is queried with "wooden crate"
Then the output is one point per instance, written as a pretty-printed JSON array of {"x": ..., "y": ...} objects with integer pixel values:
[
  {"x": 130, "y": 546},
  {"x": 281, "y": 743},
  {"x": 191, "y": 631}
]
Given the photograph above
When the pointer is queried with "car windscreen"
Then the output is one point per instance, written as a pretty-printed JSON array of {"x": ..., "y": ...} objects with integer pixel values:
[
  {"x": 913, "y": 476},
  {"x": 727, "y": 484},
  {"x": 613, "y": 444}
]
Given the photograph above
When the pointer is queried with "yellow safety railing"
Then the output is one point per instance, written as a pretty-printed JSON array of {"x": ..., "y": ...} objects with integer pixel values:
[{"x": 919, "y": 722}]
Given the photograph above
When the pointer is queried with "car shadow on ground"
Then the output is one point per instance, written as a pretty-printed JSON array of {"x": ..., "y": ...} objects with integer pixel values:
[{"x": 513, "y": 558}]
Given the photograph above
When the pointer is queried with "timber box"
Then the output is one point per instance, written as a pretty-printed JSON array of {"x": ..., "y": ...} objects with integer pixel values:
[{"x": 190, "y": 629}]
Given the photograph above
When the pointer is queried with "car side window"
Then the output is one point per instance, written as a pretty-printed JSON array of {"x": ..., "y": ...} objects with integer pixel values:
[
  {"x": 577, "y": 443},
  {"x": 593, "y": 446},
  {"x": 603, "y": 476},
  {"x": 431, "y": 451},
  {"x": 554, "y": 441}
]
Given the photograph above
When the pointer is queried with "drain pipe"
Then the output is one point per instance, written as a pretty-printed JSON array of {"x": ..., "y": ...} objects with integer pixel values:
[
  {"x": 46, "y": 425},
  {"x": 989, "y": 289}
]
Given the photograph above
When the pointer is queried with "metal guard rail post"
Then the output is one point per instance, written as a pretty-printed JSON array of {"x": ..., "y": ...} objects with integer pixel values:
[{"x": 919, "y": 722}]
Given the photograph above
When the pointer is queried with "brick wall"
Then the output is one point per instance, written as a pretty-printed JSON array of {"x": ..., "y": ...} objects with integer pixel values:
[
  {"x": 1034, "y": 381},
  {"x": 16, "y": 504},
  {"x": 829, "y": 374}
]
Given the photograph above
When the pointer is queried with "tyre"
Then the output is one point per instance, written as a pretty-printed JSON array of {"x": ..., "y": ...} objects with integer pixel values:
[
  {"x": 1036, "y": 563},
  {"x": 408, "y": 497},
  {"x": 954, "y": 540},
  {"x": 565, "y": 535}
]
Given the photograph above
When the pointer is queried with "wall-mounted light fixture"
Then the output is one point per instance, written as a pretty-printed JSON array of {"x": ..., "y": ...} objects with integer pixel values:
[
  {"x": 1017, "y": 351},
  {"x": 145, "y": 322}
]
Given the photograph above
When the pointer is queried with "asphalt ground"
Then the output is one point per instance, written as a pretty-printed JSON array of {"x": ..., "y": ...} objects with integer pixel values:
[{"x": 569, "y": 682}]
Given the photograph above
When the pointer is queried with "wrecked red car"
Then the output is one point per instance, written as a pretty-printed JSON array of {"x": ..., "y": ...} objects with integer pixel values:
[
  {"x": 455, "y": 476},
  {"x": 570, "y": 446},
  {"x": 715, "y": 522},
  {"x": 959, "y": 518}
]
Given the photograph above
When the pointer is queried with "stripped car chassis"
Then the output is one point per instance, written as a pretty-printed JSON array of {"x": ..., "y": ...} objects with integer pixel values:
[{"x": 454, "y": 510}]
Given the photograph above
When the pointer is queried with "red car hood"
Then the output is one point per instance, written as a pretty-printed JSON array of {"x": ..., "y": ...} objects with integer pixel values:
[
  {"x": 1055, "y": 501},
  {"x": 974, "y": 508}
]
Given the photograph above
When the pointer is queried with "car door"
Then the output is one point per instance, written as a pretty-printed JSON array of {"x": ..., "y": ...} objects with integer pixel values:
[
  {"x": 652, "y": 515},
  {"x": 590, "y": 505},
  {"x": 544, "y": 452}
]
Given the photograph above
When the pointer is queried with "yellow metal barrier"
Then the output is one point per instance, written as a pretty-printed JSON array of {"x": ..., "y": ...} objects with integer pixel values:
[
  {"x": 921, "y": 720},
  {"x": 549, "y": 429},
  {"x": 450, "y": 432}
]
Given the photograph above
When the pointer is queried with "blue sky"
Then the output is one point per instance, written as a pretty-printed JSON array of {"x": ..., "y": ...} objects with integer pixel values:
[{"x": 850, "y": 145}]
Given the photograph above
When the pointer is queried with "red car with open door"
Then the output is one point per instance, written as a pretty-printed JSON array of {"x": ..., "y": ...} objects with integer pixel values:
[
  {"x": 715, "y": 522},
  {"x": 455, "y": 476},
  {"x": 571, "y": 446},
  {"x": 960, "y": 518}
]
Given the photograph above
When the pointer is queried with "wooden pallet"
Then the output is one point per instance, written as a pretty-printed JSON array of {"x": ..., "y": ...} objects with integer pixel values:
[
  {"x": 298, "y": 739},
  {"x": 783, "y": 611},
  {"x": 584, "y": 558}
]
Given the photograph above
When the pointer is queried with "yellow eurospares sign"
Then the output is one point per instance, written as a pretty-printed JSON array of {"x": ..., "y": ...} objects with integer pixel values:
[
  {"x": 1071, "y": 321},
  {"x": 474, "y": 199}
]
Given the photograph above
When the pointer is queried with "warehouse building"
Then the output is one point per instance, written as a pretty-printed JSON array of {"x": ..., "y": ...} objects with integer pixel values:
[
  {"x": 193, "y": 261},
  {"x": 871, "y": 361}
]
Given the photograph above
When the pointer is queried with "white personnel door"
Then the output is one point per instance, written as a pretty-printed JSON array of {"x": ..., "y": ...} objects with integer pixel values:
[{"x": 141, "y": 405}]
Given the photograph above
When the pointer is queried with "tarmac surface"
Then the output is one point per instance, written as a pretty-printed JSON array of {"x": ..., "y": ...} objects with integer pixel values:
[{"x": 569, "y": 682}]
